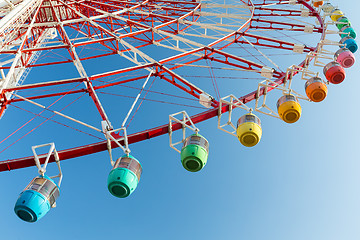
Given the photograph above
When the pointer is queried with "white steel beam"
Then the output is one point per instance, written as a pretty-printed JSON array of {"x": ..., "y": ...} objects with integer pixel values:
[
  {"x": 58, "y": 113},
  {"x": 11, "y": 23}
]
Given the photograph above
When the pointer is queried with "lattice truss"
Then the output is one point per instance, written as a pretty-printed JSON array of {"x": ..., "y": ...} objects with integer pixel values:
[{"x": 159, "y": 55}]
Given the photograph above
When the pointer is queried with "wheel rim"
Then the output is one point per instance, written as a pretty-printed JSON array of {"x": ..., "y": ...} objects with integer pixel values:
[{"x": 212, "y": 50}]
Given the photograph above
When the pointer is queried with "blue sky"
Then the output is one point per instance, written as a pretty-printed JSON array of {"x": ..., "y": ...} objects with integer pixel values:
[{"x": 300, "y": 182}]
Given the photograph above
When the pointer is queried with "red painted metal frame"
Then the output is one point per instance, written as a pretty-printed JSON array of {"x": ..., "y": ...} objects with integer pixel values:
[
  {"x": 37, "y": 32},
  {"x": 279, "y": 12},
  {"x": 268, "y": 42},
  {"x": 281, "y": 25},
  {"x": 210, "y": 53}
]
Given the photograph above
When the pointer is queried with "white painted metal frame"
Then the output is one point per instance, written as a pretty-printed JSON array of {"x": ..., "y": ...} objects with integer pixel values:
[
  {"x": 12, "y": 22},
  {"x": 306, "y": 74},
  {"x": 21, "y": 73},
  {"x": 57, "y": 113},
  {"x": 11, "y": 78},
  {"x": 269, "y": 84},
  {"x": 42, "y": 169},
  {"x": 136, "y": 99},
  {"x": 109, "y": 137},
  {"x": 183, "y": 122},
  {"x": 234, "y": 102}
]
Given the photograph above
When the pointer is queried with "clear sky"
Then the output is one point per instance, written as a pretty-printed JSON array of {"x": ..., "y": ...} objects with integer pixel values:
[{"x": 300, "y": 182}]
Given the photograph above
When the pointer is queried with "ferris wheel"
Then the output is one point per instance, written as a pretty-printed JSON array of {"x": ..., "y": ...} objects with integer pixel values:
[{"x": 109, "y": 73}]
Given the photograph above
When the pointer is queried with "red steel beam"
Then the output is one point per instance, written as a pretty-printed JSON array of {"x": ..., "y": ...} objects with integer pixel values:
[
  {"x": 270, "y": 42},
  {"x": 293, "y": 26},
  {"x": 133, "y": 138}
]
